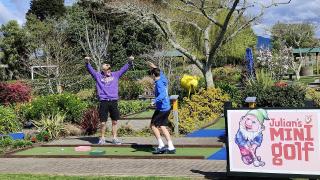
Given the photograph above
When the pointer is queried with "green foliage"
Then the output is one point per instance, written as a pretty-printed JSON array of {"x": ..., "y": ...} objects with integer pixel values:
[
  {"x": 51, "y": 124},
  {"x": 43, "y": 136},
  {"x": 68, "y": 104},
  {"x": 312, "y": 94},
  {"x": 203, "y": 107},
  {"x": 234, "y": 93},
  {"x": 47, "y": 8},
  {"x": 227, "y": 74},
  {"x": 131, "y": 37},
  {"x": 234, "y": 51},
  {"x": 130, "y": 89},
  {"x": 7, "y": 144},
  {"x": 263, "y": 80},
  {"x": 8, "y": 121},
  {"x": 132, "y": 106},
  {"x": 134, "y": 75},
  {"x": 13, "y": 45},
  {"x": 277, "y": 96},
  {"x": 293, "y": 35},
  {"x": 126, "y": 130}
]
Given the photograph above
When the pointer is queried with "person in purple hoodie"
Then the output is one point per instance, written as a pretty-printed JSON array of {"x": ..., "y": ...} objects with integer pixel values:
[{"x": 107, "y": 85}]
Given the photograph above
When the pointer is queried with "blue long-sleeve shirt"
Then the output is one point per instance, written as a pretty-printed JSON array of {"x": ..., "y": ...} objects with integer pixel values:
[{"x": 162, "y": 99}]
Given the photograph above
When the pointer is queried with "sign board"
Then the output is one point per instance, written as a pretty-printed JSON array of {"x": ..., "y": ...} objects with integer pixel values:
[{"x": 273, "y": 142}]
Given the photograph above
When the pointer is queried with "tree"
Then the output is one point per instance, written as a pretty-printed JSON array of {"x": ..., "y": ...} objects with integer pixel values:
[
  {"x": 293, "y": 35},
  {"x": 13, "y": 45},
  {"x": 49, "y": 47},
  {"x": 285, "y": 37},
  {"x": 199, "y": 28},
  {"x": 96, "y": 43},
  {"x": 128, "y": 36},
  {"x": 47, "y": 8}
]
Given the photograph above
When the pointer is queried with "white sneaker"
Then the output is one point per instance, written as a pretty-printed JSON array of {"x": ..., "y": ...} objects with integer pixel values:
[
  {"x": 102, "y": 141},
  {"x": 116, "y": 141}
]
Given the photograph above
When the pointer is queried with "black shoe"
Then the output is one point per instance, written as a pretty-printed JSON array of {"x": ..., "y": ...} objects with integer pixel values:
[
  {"x": 173, "y": 151},
  {"x": 159, "y": 150}
]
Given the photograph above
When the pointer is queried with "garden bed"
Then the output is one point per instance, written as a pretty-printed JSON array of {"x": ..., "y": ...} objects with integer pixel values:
[{"x": 123, "y": 151}]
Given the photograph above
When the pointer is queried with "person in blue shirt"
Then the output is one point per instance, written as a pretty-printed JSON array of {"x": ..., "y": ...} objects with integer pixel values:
[{"x": 159, "y": 119}]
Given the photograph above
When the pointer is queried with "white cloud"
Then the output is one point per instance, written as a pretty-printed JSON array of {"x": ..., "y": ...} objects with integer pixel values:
[
  {"x": 13, "y": 10},
  {"x": 296, "y": 12}
]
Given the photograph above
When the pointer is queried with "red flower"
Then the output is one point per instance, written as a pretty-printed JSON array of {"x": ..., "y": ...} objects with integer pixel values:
[{"x": 281, "y": 84}]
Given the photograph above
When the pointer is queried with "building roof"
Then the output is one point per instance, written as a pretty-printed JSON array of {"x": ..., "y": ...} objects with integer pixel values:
[
  {"x": 306, "y": 50},
  {"x": 170, "y": 53}
]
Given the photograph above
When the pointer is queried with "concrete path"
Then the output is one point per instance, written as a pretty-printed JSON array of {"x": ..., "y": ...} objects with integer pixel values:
[{"x": 115, "y": 167}]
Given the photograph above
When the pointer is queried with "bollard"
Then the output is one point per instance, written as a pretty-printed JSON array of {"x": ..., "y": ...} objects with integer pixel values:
[
  {"x": 251, "y": 101},
  {"x": 174, "y": 100}
]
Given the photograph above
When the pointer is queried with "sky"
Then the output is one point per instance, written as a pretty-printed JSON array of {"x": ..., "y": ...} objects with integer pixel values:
[{"x": 295, "y": 12}]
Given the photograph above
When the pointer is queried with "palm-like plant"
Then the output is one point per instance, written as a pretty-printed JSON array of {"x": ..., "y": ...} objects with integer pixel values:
[{"x": 53, "y": 124}]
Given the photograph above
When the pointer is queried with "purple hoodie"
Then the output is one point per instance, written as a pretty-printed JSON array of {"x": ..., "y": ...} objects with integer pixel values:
[{"x": 107, "y": 86}]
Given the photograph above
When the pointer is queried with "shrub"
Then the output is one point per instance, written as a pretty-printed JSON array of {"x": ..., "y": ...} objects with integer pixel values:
[
  {"x": 132, "y": 106},
  {"x": 15, "y": 92},
  {"x": 203, "y": 107},
  {"x": 130, "y": 89},
  {"x": 7, "y": 144},
  {"x": 314, "y": 95},
  {"x": 277, "y": 96},
  {"x": 134, "y": 75},
  {"x": 68, "y": 104},
  {"x": 227, "y": 73},
  {"x": 72, "y": 130},
  {"x": 126, "y": 130},
  {"x": 147, "y": 84},
  {"x": 8, "y": 121},
  {"x": 233, "y": 91},
  {"x": 90, "y": 121},
  {"x": 263, "y": 80},
  {"x": 53, "y": 124}
]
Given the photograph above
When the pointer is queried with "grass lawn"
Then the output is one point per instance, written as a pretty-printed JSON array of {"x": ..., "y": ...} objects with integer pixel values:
[
  {"x": 51, "y": 177},
  {"x": 307, "y": 79},
  {"x": 120, "y": 151},
  {"x": 145, "y": 114},
  {"x": 220, "y": 124}
]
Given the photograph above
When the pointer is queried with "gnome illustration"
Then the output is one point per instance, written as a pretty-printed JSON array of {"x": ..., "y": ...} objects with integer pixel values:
[{"x": 249, "y": 136}]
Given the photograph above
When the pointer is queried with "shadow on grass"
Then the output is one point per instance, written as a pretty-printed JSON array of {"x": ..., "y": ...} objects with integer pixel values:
[{"x": 142, "y": 148}]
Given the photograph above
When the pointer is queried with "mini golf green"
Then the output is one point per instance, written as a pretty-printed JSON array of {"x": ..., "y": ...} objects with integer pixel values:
[
  {"x": 220, "y": 124},
  {"x": 116, "y": 151}
]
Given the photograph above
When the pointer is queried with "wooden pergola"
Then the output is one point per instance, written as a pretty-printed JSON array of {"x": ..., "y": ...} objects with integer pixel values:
[{"x": 310, "y": 52}]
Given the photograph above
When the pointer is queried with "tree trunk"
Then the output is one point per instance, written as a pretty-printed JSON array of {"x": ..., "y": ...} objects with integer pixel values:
[{"x": 208, "y": 77}]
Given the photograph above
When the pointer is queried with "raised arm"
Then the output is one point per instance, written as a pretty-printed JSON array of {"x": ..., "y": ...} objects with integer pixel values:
[
  {"x": 90, "y": 68},
  {"x": 125, "y": 68}
]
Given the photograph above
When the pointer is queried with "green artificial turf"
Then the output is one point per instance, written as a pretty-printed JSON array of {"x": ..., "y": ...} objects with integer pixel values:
[
  {"x": 145, "y": 114},
  {"x": 119, "y": 151},
  {"x": 220, "y": 124},
  {"x": 54, "y": 177}
]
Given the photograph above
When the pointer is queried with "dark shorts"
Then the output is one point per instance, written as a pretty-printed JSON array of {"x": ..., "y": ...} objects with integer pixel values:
[
  {"x": 106, "y": 107},
  {"x": 160, "y": 118}
]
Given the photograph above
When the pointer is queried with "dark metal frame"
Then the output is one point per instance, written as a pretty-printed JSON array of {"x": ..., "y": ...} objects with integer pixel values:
[{"x": 228, "y": 106}]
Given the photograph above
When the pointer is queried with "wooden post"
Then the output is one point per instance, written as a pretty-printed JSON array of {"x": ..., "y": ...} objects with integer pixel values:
[
  {"x": 174, "y": 100},
  {"x": 317, "y": 61}
]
